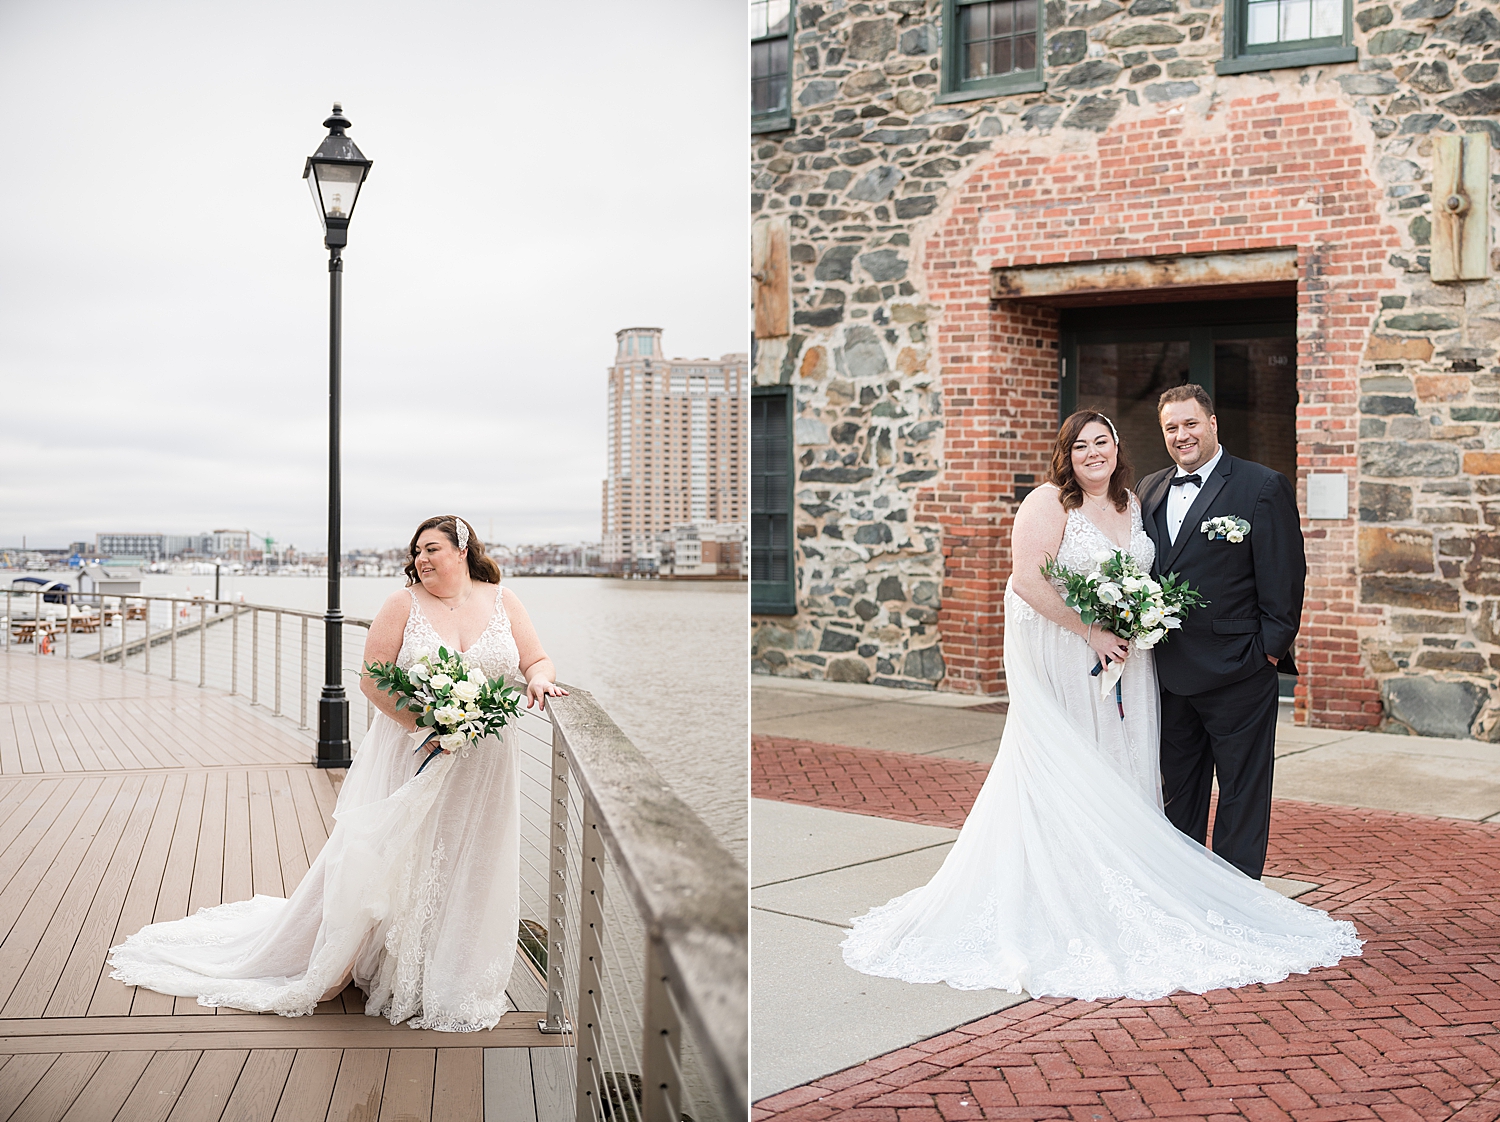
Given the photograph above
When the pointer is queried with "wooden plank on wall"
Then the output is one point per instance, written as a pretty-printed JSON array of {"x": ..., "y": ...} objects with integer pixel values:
[{"x": 771, "y": 272}]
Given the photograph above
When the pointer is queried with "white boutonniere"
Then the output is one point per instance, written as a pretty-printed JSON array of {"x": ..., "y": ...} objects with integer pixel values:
[{"x": 1227, "y": 526}]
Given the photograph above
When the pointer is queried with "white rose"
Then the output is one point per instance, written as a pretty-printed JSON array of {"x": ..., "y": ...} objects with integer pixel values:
[
  {"x": 476, "y": 675},
  {"x": 466, "y": 691},
  {"x": 1152, "y": 586},
  {"x": 1203, "y": 528},
  {"x": 1109, "y": 593},
  {"x": 418, "y": 672},
  {"x": 1235, "y": 536},
  {"x": 449, "y": 715},
  {"x": 471, "y": 710},
  {"x": 1151, "y": 618},
  {"x": 1102, "y": 556},
  {"x": 1150, "y": 639},
  {"x": 1095, "y": 577},
  {"x": 441, "y": 681},
  {"x": 452, "y": 741},
  {"x": 1131, "y": 584}
]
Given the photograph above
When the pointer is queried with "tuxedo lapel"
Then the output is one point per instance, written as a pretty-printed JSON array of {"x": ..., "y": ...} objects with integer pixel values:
[{"x": 1206, "y": 495}]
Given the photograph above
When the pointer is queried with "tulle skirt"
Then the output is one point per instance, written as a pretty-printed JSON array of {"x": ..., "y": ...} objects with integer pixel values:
[
  {"x": 416, "y": 893},
  {"x": 1067, "y": 879}
]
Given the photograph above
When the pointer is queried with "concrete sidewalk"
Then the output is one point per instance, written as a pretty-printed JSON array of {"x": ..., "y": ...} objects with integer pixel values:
[{"x": 813, "y": 869}]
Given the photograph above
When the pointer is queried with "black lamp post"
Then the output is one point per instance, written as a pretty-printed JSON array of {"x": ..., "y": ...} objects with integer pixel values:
[{"x": 334, "y": 172}]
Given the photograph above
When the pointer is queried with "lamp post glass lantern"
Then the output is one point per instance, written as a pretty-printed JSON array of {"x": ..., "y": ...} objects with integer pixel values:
[{"x": 335, "y": 173}]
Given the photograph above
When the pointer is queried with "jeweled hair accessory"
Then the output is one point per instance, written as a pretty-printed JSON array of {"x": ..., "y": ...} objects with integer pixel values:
[
  {"x": 1111, "y": 425},
  {"x": 463, "y": 534}
]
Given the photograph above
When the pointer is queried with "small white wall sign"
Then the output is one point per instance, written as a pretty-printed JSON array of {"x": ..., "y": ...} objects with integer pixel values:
[{"x": 1328, "y": 494}]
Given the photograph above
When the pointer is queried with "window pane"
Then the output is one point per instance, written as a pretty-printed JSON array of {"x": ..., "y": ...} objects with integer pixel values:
[
  {"x": 779, "y": 12},
  {"x": 977, "y": 63},
  {"x": 1025, "y": 16},
  {"x": 976, "y": 23},
  {"x": 1327, "y": 18},
  {"x": 1002, "y": 21},
  {"x": 1255, "y": 398},
  {"x": 1262, "y": 23},
  {"x": 1296, "y": 20},
  {"x": 1000, "y": 57},
  {"x": 1025, "y": 52},
  {"x": 1123, "y": 381},
  {"x": 758, "y": 18},
  {"x": 768, "y": 75}
]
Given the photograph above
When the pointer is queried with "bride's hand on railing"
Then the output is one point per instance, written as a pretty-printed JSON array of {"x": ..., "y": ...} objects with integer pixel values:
[
  {"x": 1107, "y": 645},
  {"x": 539, "y": 689}
]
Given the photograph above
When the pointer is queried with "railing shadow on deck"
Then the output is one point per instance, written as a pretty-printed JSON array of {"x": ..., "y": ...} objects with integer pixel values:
[{"x": 635, "y": 917}]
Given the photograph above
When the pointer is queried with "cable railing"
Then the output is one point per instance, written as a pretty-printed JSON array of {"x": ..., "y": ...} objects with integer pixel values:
[{"x": 633, "y": 933}]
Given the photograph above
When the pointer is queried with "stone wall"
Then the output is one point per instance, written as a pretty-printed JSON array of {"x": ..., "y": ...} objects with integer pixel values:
[{"x": 923, "y": 410}]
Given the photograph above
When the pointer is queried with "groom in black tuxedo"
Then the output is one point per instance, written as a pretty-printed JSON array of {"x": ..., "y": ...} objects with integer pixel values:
[{"x": 1218, "y": 673}]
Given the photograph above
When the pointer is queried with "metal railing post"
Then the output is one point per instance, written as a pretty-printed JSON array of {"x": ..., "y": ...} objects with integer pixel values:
[
  {"x": 202, "y": 643},
  {"x": 36, "y": 626},
  {"x": 234, "y": 650},
  {"x": 68, "y": 624},
  {"x": 148, "y": 604},
  {"x": 173, "y": 605},
  {"x": 590, "y": 1074},
  {"x": 302, "y": 722},
  {"x": 124, "y": 612},
  {"x": 661, "y": 1046},
  {"x": 557, "y": 889},
  {"x": 101, "y": 628},
  {"x": 277, "y": 662}
]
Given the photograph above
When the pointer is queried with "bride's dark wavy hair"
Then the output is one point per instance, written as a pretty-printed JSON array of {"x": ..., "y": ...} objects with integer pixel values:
[
  {"x": 482, "y": 566},
  {"x": 1062, "y": 475}
]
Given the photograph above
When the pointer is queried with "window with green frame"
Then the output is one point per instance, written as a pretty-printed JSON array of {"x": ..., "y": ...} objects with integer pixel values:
[
  {"x": 991, "y": 47},
  {"x": 770, "y": 65},
  {"x": 773, "y": 583},
  {"x": 1274, "y": 34}
]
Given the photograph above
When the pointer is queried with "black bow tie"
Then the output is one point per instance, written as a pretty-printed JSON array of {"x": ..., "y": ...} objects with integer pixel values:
[{"x": 1179, "y": 480}]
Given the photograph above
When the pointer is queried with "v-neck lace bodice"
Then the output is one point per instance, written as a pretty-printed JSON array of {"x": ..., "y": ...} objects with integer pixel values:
[
  {"x": 494, "y": 650},
  {"x": 1082, "y": 539}
]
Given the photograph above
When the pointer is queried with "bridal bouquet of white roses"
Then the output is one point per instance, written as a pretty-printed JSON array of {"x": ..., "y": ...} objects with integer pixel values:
[
  {"x": 1119, "y": 595},
  {"x": 455, "y": 703}
]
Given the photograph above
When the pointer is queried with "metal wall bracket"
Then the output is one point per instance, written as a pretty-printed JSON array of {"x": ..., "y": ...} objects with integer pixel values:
[{"x": 1461, "y": 207}]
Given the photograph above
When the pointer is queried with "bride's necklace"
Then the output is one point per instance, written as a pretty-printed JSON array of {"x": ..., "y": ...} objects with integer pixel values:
[
  {"x": 443, "y": 600},
  {"x": 1101, "y": 503}
]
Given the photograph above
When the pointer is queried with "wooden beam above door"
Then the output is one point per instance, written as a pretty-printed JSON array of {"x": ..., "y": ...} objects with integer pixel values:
[{"x": 1214, "y": 276}]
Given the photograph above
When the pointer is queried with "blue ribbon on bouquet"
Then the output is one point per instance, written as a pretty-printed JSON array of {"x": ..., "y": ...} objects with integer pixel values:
[
  {"x": 438, "y": 750},
  {"x": 1094, "y": 673}
]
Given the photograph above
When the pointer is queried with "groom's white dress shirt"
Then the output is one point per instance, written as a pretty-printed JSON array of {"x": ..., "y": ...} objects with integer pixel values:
[{"x": 1181, "y": 496}]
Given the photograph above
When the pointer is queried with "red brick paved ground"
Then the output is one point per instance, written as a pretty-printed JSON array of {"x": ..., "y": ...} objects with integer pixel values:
[{"x": 1405, "y": 1033}]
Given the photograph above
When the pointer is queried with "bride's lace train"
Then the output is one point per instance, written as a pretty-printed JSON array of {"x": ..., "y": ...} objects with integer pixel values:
[
  {"x": 415, "y": 889},
  {"x": 1066, "y": 881}
]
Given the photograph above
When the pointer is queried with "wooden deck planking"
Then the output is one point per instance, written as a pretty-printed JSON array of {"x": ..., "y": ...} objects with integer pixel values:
[
  {"x": 80, "y": 975},
  {"x": 108, "y": 1088},
  {"x": 409, "y": 1085},
  {"x": 309, "y": 1085},
  {"x": 459, "y": 1092},
  {"x": 125, "y": 802},
  {"x": 259, "y": 1087},
  {"x": 360, "y": 1084},
  {"x": 206, "y": 1093},
  {"x": 54, "y": 1093},
  {"x": 62, "y": 902},
  {"x": 156, "y": 1091},
  {"x": 110, "y": 996}
]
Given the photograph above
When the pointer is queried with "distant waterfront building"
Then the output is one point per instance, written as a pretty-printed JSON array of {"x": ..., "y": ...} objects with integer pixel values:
[
  {"x": 149, "y": 547},
  {"x": 702, "y": 549},
  {"x": 676, "y": 445}
]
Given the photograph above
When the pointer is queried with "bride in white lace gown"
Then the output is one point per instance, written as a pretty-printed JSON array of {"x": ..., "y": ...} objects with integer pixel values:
[
  {"x": 1067, "y": 879},
  {"x": 415, "y": 895}
]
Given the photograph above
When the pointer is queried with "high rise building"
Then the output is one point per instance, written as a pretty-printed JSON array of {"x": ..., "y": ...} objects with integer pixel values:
[{"x": 676, "y": 445}]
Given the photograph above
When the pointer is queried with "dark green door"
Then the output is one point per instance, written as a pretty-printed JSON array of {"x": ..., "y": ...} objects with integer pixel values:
[{"x": 1118, "y": 360}]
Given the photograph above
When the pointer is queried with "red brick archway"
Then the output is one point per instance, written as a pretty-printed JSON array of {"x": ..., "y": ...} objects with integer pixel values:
[{"x": 1261, "y": 172}]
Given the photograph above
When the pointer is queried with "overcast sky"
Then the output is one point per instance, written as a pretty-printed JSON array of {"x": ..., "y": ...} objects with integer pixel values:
[{"x": 545, "y": 174}]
